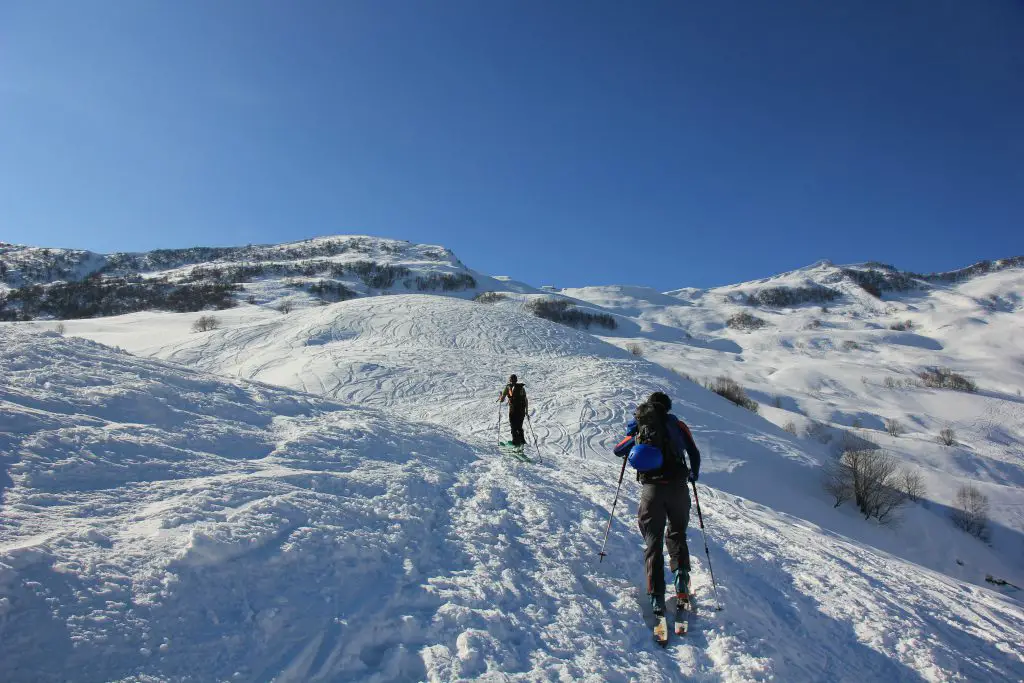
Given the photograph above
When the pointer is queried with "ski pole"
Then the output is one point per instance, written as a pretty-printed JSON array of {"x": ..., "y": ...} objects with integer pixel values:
[
  {"x": 499, "y": 424},
  {"x": 707, "y": 552},
  {"x": 529, "y": 422},
  {"x": 612, "y": 513}
]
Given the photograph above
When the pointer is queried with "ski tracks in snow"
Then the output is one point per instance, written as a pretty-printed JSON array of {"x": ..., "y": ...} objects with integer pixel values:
[{"x": 479, "y": 566}]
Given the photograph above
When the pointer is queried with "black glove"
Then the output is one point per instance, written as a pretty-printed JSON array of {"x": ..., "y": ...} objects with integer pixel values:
[{"x": 693, "y": 477}]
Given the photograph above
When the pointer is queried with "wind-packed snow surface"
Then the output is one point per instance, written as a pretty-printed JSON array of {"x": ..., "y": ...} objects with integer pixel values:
[{"x": 160, "y": 523}]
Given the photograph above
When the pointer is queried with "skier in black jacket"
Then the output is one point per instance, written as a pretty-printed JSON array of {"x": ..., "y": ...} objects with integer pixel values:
[
  {"x": 665, "y": 498},
  {"x": 517, "y": 407}
]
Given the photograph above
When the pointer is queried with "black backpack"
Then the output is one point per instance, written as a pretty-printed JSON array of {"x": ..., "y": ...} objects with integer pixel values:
[
  {"x": 652, "y": 428},
  {"x": 517, "y": 398}
]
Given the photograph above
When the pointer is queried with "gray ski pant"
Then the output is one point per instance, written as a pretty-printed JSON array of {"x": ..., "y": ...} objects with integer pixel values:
[{"x": 660, "y": 503}]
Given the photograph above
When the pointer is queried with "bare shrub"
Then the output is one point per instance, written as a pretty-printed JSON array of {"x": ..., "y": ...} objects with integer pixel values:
[
  {"x": 790, "y": 427},
  {"x": 947, "y": 437},
  {"x": 837, "y": 481},
  {"x": 850, "y": 345},
  {"x": 1000, "y": 582},
  {"x": 970, "y": 511},
  {"x": 730, "y": 389},
  {"x": 489, "y": 297},
  {"x": 745, "y": 321},
  {"x": 902, "y": 326},
  {"x": 285, "y": 307},
  {"x": 875, "y": 480},
  {"x": 60, "y": 328},
  {"x": 251, "y": 299},
  {"x": 894, "y": 427},
  {"x": 777, "y": 402},
  {"x": 206, "y": 323},
  {"x": 912, "y": 485},
  {"x": 891, "y": 383},
  {"x": 944, "y": 378},
  {"x": 635, "y": 349}
]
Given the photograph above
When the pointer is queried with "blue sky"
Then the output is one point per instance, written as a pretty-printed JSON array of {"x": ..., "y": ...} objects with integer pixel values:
[{"x": 667, "y": 144}]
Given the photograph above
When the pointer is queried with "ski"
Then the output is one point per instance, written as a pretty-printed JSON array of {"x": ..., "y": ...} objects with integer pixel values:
[
  {"x": 683, "y": 610},
  {"x": 661, "y": 630},
  {"x": 515, "y": 451}
]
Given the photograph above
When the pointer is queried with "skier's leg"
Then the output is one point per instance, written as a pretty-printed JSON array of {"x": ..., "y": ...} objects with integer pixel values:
[
  {"x": 516, "y": 420},
  {"x": 651, "y": 520},
  {"x": 677, "y": 504}
]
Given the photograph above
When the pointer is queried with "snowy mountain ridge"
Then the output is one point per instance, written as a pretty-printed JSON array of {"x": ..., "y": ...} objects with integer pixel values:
[
  {"x": 26, "y": 265},
  {"x": 375, "y": 265}
]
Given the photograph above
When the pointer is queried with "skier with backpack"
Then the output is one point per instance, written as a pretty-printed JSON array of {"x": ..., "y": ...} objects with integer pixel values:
[
  {"x": 655, "y": 443},
  {"x": 518, "y": 405}
]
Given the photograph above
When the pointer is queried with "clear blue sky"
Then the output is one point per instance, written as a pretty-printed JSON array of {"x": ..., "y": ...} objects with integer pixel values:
[{"x": 669, "y": 144}]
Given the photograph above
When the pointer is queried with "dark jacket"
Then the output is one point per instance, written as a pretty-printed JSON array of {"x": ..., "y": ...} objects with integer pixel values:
[
  {"x": 674, "y": 468},
  {"x": 506, "y": 393}
]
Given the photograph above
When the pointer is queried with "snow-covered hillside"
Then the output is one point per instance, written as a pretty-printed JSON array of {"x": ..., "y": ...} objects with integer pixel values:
[
  {"x": 164, "y": 524},
  {"x": 348, "y": 517},
  {"x": 825, "y": 368}
]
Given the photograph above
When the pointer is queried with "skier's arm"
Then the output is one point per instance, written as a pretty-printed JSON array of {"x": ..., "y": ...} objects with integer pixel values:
[
  {"x": 623, "y": 448},
  {"x": 504, "y": 393},
  {"x": 691, "y": 450}
]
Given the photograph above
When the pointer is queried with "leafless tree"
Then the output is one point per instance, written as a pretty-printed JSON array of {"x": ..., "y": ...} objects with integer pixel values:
[
  {"x": 912, "y": 485},
  {"x": 635, "y": 349},
  {"x": 838, "y": 481},
  {"x": 947, "y": 437},
  {"x": 60, "y": 328},
  {"x": 893, "y": 426},
  {"x": 285, "y": 307},
  {"x": 875, "y": 479},
  {"x": 970, "y": 511}
]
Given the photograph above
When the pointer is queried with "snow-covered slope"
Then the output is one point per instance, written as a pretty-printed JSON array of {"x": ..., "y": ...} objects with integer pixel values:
[
  {"x": 166, "y": 523},
  {"x": 169, "y": 525},
  {"x": 834, "y": 366}
]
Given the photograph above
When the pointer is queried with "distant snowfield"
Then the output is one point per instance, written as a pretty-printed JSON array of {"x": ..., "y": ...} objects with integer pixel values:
[{"x": 347, "y": 517}]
